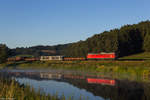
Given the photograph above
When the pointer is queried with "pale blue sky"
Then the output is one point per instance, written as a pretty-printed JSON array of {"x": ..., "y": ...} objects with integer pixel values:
[{"x": 25, "y": 23}]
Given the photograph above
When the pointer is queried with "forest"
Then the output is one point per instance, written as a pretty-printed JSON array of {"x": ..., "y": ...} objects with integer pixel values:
[{"x": 127, "y": 40}]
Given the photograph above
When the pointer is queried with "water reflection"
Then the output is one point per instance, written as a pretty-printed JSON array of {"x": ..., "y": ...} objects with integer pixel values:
[
  {"x": 53, "y": 87},
  {"x": 91, "y": 86}
]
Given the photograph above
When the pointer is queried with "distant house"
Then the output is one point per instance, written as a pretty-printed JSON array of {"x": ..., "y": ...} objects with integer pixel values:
[{"x": 46, "y": 58}]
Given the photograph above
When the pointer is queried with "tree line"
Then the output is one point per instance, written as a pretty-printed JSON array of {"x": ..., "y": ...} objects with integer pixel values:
[
  {"x": 39, "y": 50},
  {"x": 128, "y": 39}
]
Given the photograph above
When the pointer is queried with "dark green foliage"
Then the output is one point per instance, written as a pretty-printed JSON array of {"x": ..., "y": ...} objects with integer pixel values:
[
  {"x": 39, "y": 50},
  {"x": 3, "y": 53},
  {"x": 147, "y": 42},
  {"x": 127, "y": 40}
]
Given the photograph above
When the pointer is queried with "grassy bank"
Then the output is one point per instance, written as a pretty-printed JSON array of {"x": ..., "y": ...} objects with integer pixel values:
[
  {"x": 145, "y": 56},
  {"x": 115, "y": 68},
  {"x": 10, "y": 89},
  {"x": 75, "y": 64}
]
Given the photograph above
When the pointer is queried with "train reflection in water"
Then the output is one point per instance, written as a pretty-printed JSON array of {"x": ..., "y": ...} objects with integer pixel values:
[
  {"x": 101, "y": 81},
  {"x": 91, "y": 79},
  {"x": 50, "y": 76}
]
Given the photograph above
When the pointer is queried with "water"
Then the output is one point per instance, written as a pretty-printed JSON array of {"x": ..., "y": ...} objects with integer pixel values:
[
  {"x": 90, "y": 86},
  {"x": 53, "y": 87}
]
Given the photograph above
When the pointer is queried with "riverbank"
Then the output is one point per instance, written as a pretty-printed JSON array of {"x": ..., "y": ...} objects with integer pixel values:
[
  {"x": 129, "y": 68},
  {"x": 132, "y": 70},
  {"x": 76, "y": 64}
]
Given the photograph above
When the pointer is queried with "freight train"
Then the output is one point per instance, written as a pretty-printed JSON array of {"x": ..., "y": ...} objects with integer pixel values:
[{"x": 90, "y": 56}]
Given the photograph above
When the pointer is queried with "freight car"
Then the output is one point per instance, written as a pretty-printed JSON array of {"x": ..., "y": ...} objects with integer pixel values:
[
  {"x": 11, "y": 59},
  {"x": 32, "y": 59},
  {"x": 15, "y": 59},
  {"x": 103, "y": 55},
  {"x": 73, "y": 58}
]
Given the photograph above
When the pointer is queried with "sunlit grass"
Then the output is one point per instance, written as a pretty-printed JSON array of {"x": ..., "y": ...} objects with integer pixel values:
[
  {"x": 75, "y": 65},
  {"x": 145, "y": 55},
  {"x": 10, "y": 89}
]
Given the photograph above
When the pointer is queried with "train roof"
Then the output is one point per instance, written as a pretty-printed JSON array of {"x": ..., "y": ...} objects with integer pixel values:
[
  {"x": 103, "y": 53},
  {"x": 54, "y": 56}
]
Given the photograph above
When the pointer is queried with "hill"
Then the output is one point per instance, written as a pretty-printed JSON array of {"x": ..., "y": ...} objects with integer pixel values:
[
  {"x": 128, "y": 40},
  {"x": 39, "y": 50}
]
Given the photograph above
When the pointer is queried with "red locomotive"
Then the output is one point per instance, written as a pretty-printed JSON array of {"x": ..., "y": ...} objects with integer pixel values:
[{"x": 102, "y": 55}]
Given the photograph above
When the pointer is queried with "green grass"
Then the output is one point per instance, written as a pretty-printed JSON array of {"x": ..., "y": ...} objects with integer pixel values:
[
  {"x": 145, "y": 55},
  {"x": 11, "y": 89},
  {"x": 75, "y": 65},
  {"x": 107, "y": 67},
  {"x": 130, "y": 73}
]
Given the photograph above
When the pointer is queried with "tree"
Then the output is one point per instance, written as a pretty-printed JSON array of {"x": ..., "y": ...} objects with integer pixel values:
[
  {"x": 3, "y": 53},
  {"x": 147, "y": 43}
]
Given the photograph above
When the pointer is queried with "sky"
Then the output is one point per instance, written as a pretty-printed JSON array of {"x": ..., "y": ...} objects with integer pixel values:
[{"x": 25, "y": 23}]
